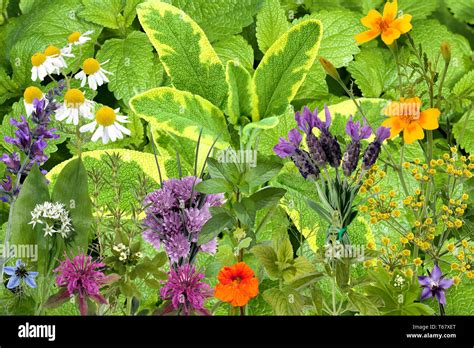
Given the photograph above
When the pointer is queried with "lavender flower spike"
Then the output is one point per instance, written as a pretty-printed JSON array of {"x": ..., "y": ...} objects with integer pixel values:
[
  {"x": 434, "y": 285},
  {"x": 328, "y": 141},
  {"x": 307, "y": 120},
  {"x": 351, "y": 156},
  {"x": 284, "y": 148},
  {"x": 373, "y": 150}
]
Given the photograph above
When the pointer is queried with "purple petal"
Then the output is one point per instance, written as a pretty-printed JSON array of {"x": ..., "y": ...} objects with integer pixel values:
[
  {"x": 352, "y": 129},
  {"x": 295, "y": 137},
  {"x": 30, "y": 281},
  {"x": 424, "y": 280},
  {"x": 446, "y": 283},
  {"x": 441, "y": 297},
  {"x": 9, "y": 270},
  {"x": 13, "y": 282},
  {"x": 328, "y": 116},
  {"x": 366, "y": 130},
  {"x": 282, "y": 149},
  {"x": 18, "y": 263},
  {"x": 426, "y": 293},
  {"x": 436, "y": 274},
  {"x": 382, "y": 133}
]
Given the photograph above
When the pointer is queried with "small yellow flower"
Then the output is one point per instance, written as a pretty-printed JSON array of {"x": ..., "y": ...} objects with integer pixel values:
[
  {"x": 406, "y": 165},
  {"x": 440, "y": 162},
  {"x": 454, "y": 266},
  {"x": 410, "y": 236},
  {"x": 363, "y": 189},
  {"x": 376, "y": 189},
  {"x": 371, "y": 245},
  {"x": 373, "y": 220},
  {"x": 458, "y": 223},
  {"x": 409, "y": 273},
  {"x": 406, "y": 252},
  {"x": 417, "y": 192},
  {"x": 393, "y": 247},
  {"x": 418, "y": 176},
  {"x": 465, "y": 197},
  {"x": 470, "y": 274},
  {"x": 403, "y": 240},
  {"x": 396, "y": 213},
  {"x": 456, "y": 280},
  {"x": 431, "y": 236},
  {"x": 363, "y": 208},
  {"x": 417, "y": 261},
  {"x": 385, "y": 241},
  {"x": 451, "y": 247},
  {"x": 446, "y": 156},
  {"x": 417, "y": 161},
  {"x": 417, "y": 224},
  {"x": 465, "y": 243},
  {"x": 425, "y": 246},
  {"x": 453, "y": 149},
  {"x": 428, "y": 221},
  {"x": 368, "y": 263}
]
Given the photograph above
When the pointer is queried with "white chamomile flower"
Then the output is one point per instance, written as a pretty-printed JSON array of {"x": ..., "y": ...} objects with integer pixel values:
[
  {"x": 42, "y": 66},
  {"x": 75, "y": 104},
  {"x": 92, "y": 73},
  {"x": 31, "y": 93},
  {"x": 109, "y": 127},
  {"x": 77, "y": 39},
  {"x": 56, "y": 56}
]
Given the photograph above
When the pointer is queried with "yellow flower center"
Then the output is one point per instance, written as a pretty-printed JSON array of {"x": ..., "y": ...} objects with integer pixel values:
[
  {"x": 32, "y": 93},
  {"x": 52, "y": 51},
  {"x": 38, "y": 59},
  {"x": 74, "y": 37},
  {"x": 90, "y": 66},
  {"x": 74, "y": 98},
  {"x": 105, "y": 116}
]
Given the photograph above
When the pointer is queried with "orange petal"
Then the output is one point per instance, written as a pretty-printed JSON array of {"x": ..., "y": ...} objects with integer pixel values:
[
  {"x": 402, "y": 24},
  {"x": 240, "y": 299},
  {"x": 429, "y": 119},
  {"x": 224, "y": 292},
  {"x": 390, "y": 35},
  {"x": 250, "y": 287},
  {"x": 413, "y": 132},
  {"x": 396, "y": 125},
  {"x": 372, "y": 19},
  {"x": 367, "y": 35},
  {"x": 390, "y": 11}
]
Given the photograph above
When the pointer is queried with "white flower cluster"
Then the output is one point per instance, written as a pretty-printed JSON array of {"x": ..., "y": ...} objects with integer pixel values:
[
  {"x": 398, "y": 281},
  {"x": 125, "y": 252},
  {"x": 54, "y": 217}
]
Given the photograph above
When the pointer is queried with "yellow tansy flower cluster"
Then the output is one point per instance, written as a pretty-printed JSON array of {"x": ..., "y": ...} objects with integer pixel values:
[{"x": 463, "y": 252}]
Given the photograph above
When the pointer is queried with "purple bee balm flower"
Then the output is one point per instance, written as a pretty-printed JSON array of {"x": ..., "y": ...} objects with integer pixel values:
[
  {"x": 372, "y": 151},
  {"x": 19, "y": 273},
  {"x": 81, "y": 277},
  {"x": 185, "y": 291},
  {"x": 435, "y": 285},
  {"x": 286, "y": 148}
]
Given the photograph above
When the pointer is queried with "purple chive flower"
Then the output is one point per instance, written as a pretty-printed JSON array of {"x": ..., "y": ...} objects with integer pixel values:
[
  {"x": 175, "y": 215},
  {"x": 435, "y": 285},
  {"x": 372, "y": 151},
  {"x": 19, "y": 273},
  {"x": 328, "y": 141},
  {"x": 81, "y": 277},
  {"x": 352, "y": 153},
  {"x": 185, "y": 291}
]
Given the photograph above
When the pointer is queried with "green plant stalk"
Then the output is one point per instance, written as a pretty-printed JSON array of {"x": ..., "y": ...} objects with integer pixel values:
[{"x": 395, "y": 52}]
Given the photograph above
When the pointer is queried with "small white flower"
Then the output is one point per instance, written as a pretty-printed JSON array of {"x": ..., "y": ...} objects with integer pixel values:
[
  {"x": 42, "y": 66},
  {"x": 56, "y": 56},
  {"x": 138, "y": 255},
  {"x": 31, "y": 93},
  {"x": 52, "y": 215},
  {"x": 92, "y": 73},
  {"x": 109, "y": 127},
  {"x": 75, "y": 104},
  {"x": 77, "y": 39}
]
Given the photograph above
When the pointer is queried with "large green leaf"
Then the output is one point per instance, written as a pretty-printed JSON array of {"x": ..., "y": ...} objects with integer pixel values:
[
  {"x": 236, "y": 49},
  {"x": 284, "y": 67},
  {"x": 182, "y": 113},
  {"x": 271, "y": 24},
  {"x": 285, "y": 301},
  {"x": 184, "y": 50},
  {"x": 463, "y": 131},
  {"x": 103, "y": 13},
  {"x": 71, "y": 189},
  {"x": 241, "y": 92},
  {"x": 374, "y": 71},
  {"x": 8, "y": 87},
  {"x": 133, "y": 64},
  {"x": 220, "y": 19},
  {"x": 462, "y": 9}
]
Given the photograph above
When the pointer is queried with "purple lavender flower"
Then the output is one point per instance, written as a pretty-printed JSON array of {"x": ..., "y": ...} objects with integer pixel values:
[
  {"x": 328, "y": 141},
  {"x": 306, "y": 121},
  {"x": 185, "y": 291},
  {"x": 174, "y": 219},
  {"x": 352, "y": 153},
  {"x": 305, "y": 164},
  {"x": 373, "y": 150},
  {"x": 286, "y": 148},
  {"x": 435, "y": 285}
]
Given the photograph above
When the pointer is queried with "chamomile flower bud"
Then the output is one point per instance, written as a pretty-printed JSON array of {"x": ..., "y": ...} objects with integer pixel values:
[
  {"x": 93, "y": 73},
  {"x": 107, "y": 125}
]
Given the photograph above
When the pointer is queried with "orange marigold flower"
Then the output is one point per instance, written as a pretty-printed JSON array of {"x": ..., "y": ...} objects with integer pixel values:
[
  {"x": 237, "y": 284},
  {"x": 407, "y": 116},
  {"x": 388, "y": 25}
]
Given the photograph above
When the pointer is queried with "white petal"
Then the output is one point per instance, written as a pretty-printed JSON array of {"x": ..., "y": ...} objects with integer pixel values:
[
  {"x": 105, "y": 136},
  {"x": 112, "y": 133},
  {"x": 122, "y": 128},
  {"x": 34, "y": 73},
  {"x": 98, "y": 78},
  {"x": 98, "y": 133},
  {"x": 88, "y": 127},
  {"x": 92, "y": 82}
]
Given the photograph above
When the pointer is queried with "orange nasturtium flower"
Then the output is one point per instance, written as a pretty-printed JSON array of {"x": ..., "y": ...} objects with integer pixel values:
[
  {"x": 407, "y": 116},
  {"x": 388, "y": 25},
  {"x": 237, "y": 284}
]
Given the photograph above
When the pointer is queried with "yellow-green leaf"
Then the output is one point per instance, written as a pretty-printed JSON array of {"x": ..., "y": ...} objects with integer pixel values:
[
  {"x": 184, "y": 50},
  {"x": 182, "y": 113},
  {"x": 284, "y": 67},
  {"x": 241, "y": 92}
]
